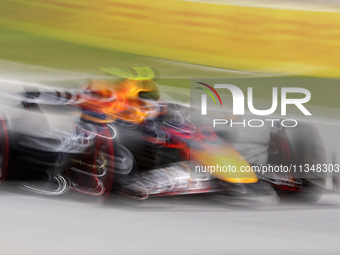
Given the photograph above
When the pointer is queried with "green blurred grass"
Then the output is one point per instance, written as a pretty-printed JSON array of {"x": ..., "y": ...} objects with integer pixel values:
[
  {"x": 38, "y": 50},
  {"x": 43, "y": 51}
]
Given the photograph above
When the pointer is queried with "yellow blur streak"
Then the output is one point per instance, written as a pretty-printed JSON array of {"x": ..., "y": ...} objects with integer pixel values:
[
  {"x": 244, "y": 38},
  {"x": 226, "y": 156}
]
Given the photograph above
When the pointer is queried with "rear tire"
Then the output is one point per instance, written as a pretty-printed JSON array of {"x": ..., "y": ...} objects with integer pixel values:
[
  {"x": 104, "y": 160},
  {"x": 4, "y": 150}
]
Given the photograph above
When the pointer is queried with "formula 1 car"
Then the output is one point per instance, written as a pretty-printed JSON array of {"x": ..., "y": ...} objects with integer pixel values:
[{"x": 128, "y": 140}]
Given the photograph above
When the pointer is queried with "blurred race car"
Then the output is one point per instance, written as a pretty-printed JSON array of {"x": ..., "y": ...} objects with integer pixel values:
[{"x": 128, "y": 140}]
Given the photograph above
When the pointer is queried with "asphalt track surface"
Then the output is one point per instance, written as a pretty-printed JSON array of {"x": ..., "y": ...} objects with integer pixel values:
[
  {"x": 79, "y": 224},
  {"x": 169, "y": 225}
]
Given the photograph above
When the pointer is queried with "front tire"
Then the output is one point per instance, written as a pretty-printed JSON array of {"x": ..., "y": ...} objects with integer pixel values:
[{"x": 300, "y": 147}]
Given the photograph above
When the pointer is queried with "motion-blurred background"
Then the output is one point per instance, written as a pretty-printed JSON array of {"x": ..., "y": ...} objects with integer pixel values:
[{"x": 179, "y": 39}]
